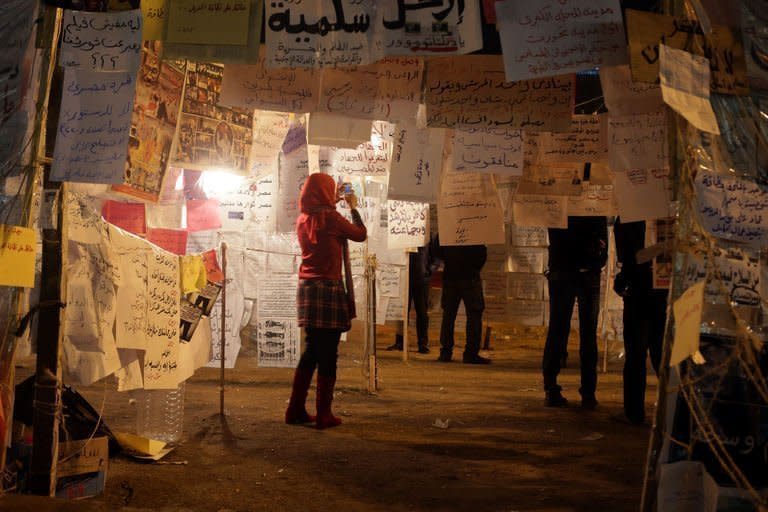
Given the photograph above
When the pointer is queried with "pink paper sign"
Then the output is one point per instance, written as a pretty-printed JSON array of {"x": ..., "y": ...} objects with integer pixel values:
[
  {"x": 128, "y": 216},
  {"x": 203, "y": 214},
  {"x": 172, "y": 240}
]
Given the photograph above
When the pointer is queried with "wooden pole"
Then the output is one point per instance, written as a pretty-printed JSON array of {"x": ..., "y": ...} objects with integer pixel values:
[
  {"x": 223, "y": 326},
  {"x": 47, "y": 400}
]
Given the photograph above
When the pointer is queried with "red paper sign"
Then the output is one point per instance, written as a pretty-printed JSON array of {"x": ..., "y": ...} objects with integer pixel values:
[
  {"x": 128, "y": 216},
  {"x": 203, "y": 214},
  {"x": 172, "y": 240},
  {"x": 212, "y": 270}
]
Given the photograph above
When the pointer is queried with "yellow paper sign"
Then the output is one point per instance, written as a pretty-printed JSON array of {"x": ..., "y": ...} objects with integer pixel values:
[
  {"x": 208, "y": 21},
  {"x": 155, "y": 15},
  {"x": 17, "y": 256},
  {"x": 193, "y": 277},
  {"x": 687, "y": 310}
]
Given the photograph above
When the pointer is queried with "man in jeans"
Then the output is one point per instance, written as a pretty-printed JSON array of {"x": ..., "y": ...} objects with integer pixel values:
[
  {"x": 461, "y": 282},
  {"x": 576, "y": 256}
]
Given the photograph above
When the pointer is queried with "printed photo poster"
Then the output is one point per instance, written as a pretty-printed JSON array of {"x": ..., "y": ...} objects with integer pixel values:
[
  {"x": 724, "y": 51},
  {"x": 487, "y": 149},
  {"x": 210, "y": 137},
  {"x": 407, "y": 224},
  {"x": 469, "y": 210},
  {"x": 94, "y": 126},
  {"x": 318, "y": 34},
  {"x": 427, "y": 28},
  {"x": 278, "y": 332},
  {"x": 547, "y": 38},
  {"x": 472, "y": 90},
  {"x": 153, "y": 123}
]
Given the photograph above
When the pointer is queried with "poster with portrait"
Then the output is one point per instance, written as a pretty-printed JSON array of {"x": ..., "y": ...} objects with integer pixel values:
[
  {"x": 210, "y": 137},
  {"x": 153, "y": 123}
]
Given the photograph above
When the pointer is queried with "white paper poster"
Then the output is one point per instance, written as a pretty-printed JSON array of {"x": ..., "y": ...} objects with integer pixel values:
[
  {"x": 294, "y": 170},
  {"x": 417, "y": 158},
  {"x": 549, "y": 37},
  {"x": 161, "y": 359},
  {"x": 685, "y": 87},
  {"x": 624, "y": 96},
  {"x": 407, "y": 224},
  {"x": 269, "y": 131},
  {"x": 487, "y": 149},
  {"x": 642, "y": 194},
  {"x": 278, "y": 331},
  {"x": 540, "y": 211},
  {"x": 586, "y": 141},
  {"x": 101, "y": 41},
  {"x": 318, "y": 34},
  {"x": 94, "y": 126},
  {"x": 732, "y": 208},
  {"x": 371, "y": 158},
  {"x": 638, "y": 141},
  {"x": 469, "y": 209}
]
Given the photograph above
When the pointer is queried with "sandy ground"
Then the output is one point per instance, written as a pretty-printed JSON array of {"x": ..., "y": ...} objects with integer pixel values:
[{"x": 502, "y": 449}]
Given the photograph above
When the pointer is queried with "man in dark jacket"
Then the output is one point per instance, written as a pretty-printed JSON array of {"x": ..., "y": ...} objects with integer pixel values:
[
  {"x": 576, "y": 256},
  {"x": 419, "y": 272},
  {"x": 645, "y": 315},
  {"x": 461, "y": 282}
]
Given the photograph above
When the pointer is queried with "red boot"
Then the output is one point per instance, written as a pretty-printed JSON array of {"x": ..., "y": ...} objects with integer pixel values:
[
  {"x": 297, "y": 408},
  {"x": 325, "y": 418}
]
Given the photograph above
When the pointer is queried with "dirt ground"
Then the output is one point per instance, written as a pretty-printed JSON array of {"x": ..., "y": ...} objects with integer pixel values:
[{"x": 502, "y": 449}]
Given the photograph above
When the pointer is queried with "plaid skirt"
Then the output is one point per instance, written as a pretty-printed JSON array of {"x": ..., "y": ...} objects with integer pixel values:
[{"x": 323, "y": 304}]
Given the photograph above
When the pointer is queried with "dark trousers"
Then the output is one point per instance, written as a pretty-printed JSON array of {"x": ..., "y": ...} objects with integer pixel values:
[
  {"x": 564, "y": 289},
  {"x": 418, "y": 295},
  {"x": 471, "y": 292},
  {"x": 644, "y": 318},
  {"x": 321, "y": 349}
]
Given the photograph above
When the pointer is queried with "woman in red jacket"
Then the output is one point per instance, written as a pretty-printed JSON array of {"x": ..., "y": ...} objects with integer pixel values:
[{"x": 325, "y": 305}]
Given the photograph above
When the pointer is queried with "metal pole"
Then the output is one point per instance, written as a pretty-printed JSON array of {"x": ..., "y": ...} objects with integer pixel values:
[
  {"x": 223, "y": 326},
  {"x": 406, "y": 303},
  {"x": 373, "y": 378}
]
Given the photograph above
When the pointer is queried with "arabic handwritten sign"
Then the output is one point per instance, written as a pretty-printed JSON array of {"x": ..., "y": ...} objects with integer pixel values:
[
  {"x": 549, "y": 38},
  {"x": 101, "y": 41},
  {"x": 417, "y": 157},
  {"x": 733, "y": 271},
  {"x": 732, "y": 208},
  {"x": 724, "y": 51},
  {"x": 488, "y": 149},
  {"x": 540, "y": 211},
  {"x": 128, "y": 216},
  {"x": 318, "y": 34},
  {"x": 94, "y": 125},
  {"x": 208, "y": 21},
  {"x": 638, "y": 141},
  {"x": 586, "y": 141},
  {"x": 269, "y": 131},
  {"x": 407, "y": 224},
  {"x": 163, "y": 320},
  {"x": 154, "y": 15},
  {"x": 469, "y": 210},
  {"x": 252, "y": 86},
  {"x": 369, "y": 158},
  {"x": 687, "y": 310},
  {"x": 684, "y": 78},
  {"x": 17, "y": 256},
  {"x": 387, "y": 90},
  {"x": 472, "y": 90}
]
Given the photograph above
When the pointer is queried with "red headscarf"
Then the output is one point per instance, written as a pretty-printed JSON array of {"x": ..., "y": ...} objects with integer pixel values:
[{"x": 318, "y": 197}]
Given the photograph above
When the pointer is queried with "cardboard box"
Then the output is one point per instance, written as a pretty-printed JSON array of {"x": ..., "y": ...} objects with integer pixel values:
[{"x": 82, "y": 468}]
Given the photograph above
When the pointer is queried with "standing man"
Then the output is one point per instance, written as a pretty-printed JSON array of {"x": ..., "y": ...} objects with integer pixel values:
[
  {"x": 576, "y": 256},
  {"x": 461, "y": 282},
  {"x": 419, "y": 273},
  {"x": 645, "y": 315}
]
